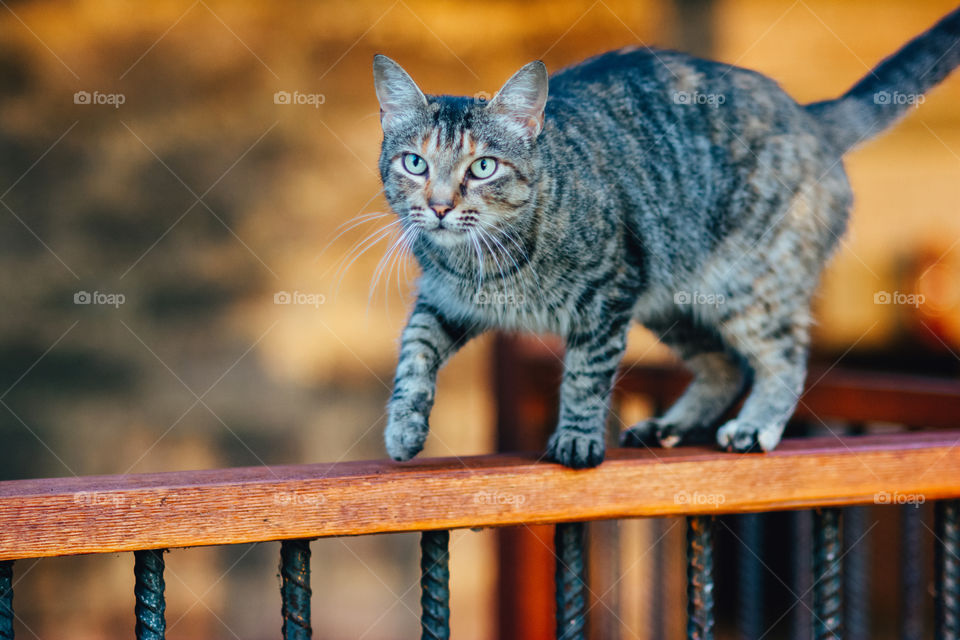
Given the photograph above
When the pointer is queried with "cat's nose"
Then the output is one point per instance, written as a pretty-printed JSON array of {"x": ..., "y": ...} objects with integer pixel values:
[{"x": 441, "y": 210}]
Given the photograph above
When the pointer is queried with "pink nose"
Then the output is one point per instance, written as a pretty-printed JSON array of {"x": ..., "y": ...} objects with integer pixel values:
[{"x": 441, "y": 210}]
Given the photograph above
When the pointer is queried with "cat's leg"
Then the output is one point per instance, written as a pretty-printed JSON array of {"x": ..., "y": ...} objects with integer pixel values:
[
  {"x": 590, "y": 364},
  {"x": 775, "y": 349},
  {"x": 427, "y": 341},
  {"x": 717, "y": 382}
]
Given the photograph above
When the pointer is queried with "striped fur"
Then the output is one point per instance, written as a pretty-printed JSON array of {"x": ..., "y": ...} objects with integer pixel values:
[{"x": 691, "y": 196}]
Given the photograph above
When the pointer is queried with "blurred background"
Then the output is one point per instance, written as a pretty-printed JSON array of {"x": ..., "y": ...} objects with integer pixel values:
[{"x": 184, "y": 287}]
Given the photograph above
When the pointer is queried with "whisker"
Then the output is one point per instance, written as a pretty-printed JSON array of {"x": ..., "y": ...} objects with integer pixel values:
[
  {"x": 356, "y": 222},
  {"x": 370, "y": 241},
  {"x": 483, "y": 237},
  {"x": 389, "y": 257},
  {"x": 401, "y": 256}
]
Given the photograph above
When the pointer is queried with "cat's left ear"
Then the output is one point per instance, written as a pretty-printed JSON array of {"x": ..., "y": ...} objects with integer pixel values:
[
  {"x": 398, "y": 94},
  {"x": 522, "y": 98}
]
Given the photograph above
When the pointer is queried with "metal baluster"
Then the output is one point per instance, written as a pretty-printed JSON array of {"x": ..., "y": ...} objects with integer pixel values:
[
  {"x": 150, "y": 607},
  {"x": 658, "y": 623},
  {"x": 435, "y": 585},
  {"x": 827, "y": 575},
  {"x": 802, "y": 579},
  {"x": 570, "y": 579},
  {"x": 295, "y": 589},
  {"x": 750, "y": 576},
  {"x": 6, "y": 600},
  {"x": 947, "y": 567},
  {"x": 700, "y": 622},
  {"x": 912, "y": 577},
  {"x": 856, "y": 574}
]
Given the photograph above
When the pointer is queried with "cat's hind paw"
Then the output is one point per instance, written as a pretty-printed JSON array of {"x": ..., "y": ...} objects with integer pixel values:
[
  {"x": 642, "y": 434},
  {"x": 657, "y": 433},
  {"x": 574, "y": 449},
  {"x": 743, "y": 436}
]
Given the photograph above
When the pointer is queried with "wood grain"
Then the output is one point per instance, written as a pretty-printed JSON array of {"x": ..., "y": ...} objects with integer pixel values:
[{"x": 63, "y": 516}]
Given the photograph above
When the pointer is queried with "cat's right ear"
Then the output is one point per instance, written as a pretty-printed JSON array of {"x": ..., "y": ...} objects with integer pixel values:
[
  {"x": 397, "y": 93},
  {"x": 522, "y": 99}
]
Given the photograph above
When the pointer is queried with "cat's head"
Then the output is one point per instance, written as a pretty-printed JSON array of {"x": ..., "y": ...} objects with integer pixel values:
[{"x": 456, "y": 167}]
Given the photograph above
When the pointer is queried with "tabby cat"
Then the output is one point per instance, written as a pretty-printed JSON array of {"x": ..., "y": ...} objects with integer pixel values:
[{"x": 694, "y": 197}]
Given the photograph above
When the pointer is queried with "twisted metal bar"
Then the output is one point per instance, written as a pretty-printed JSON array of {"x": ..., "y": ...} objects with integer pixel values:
[
  {"x": 912, "y": 578},
  {"x": 947, "y": 558},
  {"x": 658, "y": 624},
  {"x": 435, "y": 585},
  {"x": 700, "y": 622},
  {"x": 295, "y": 589},
  {"x": 570, "y": 581},
  {"x": 150, "y": 607},
  {"x": 856, "y": 574},
  {"x": 6, "y": 600},
  {"x": 827, "y": 575},
  {"x": 802, "y": 579},
  {"x": 750, "y": 574}
]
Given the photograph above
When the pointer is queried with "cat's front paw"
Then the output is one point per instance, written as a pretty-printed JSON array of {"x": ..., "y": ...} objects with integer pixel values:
[
  {"x": 743, "y": 436},
  {"x": 406, "y": 433},
  {"x": 575, "y": 449}
]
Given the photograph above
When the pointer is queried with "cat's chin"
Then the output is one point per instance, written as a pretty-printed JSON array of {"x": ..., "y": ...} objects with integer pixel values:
[{"x": 448, "y": 237}]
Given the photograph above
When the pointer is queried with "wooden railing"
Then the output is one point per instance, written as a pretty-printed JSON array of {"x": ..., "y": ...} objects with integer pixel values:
[
  {"x": 109, "y": 514},
  {"x": 52, "y": 517},
  {"x": 150, "y": 512}
]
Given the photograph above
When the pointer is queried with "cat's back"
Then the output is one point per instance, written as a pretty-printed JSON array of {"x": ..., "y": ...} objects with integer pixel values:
[
  {"x": 655, "y": 71},
  {"x": 684, "y": 146},
  {"x": 674, "y": 88}
]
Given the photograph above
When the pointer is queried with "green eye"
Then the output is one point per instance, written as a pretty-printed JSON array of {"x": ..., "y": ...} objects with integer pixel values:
[
  {"x": 483, "y": 168},
  {"x": 414, "y": 164}
]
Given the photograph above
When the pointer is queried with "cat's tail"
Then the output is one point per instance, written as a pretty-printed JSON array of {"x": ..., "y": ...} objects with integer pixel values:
[{"x": 894, "y": 86}]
